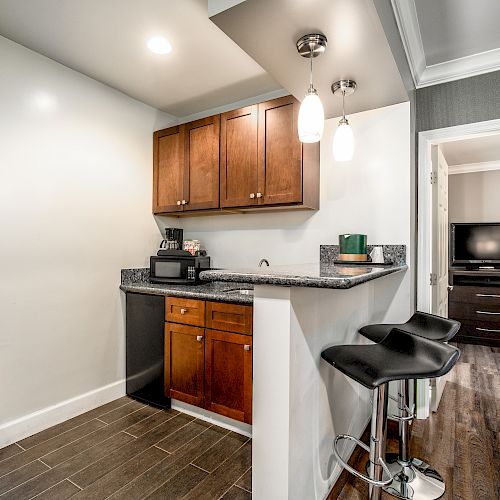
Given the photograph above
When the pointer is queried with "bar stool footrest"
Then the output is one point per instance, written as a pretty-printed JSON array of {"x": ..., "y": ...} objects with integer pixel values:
[{"x": 353, "y": 471}]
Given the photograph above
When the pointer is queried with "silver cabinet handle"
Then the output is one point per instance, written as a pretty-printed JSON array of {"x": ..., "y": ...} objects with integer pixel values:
[
  {"x": 487, "y": 295},
  {"x": 184, "y": 202},
  {"x": 450, "y": 288},
  {"x": 252, "y": 195},
  {"x": 184, "y": 311},
  {"x": 487, "y": 330},
  {"x": 246, "y": 347},
  {"x": 487, "y": 312},
  {"x": 199, "y": 338},
  {"x": 259, "y": 195},
  {"x": 178, "y": 202}
]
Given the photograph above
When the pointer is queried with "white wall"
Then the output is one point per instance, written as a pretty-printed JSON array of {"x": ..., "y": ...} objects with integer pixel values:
[
  {"x": 369, "y": 195},
  {"x": 75, "y": 208},
  {"x": 474, "y": 197}
]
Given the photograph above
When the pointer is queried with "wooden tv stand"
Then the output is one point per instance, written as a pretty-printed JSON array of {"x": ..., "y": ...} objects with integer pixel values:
[{"x": 474, "y": 300}]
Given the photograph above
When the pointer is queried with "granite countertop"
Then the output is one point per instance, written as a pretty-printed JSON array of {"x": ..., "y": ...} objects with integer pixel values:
[
  {"x": 137, "y": 281},
  {"x": 305, "y": 275}
]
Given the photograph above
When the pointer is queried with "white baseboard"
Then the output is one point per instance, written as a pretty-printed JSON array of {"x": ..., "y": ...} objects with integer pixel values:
[
  {"x": 25, "y": 426},
  {"x": 213, "y": 418}
]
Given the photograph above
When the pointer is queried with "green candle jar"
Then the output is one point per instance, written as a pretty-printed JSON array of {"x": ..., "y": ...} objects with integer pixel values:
[{"x": 352, "y": 243}]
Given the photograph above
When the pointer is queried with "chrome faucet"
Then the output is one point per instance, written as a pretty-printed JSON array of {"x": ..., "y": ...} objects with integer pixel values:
[{"x": 263, "y": 261}]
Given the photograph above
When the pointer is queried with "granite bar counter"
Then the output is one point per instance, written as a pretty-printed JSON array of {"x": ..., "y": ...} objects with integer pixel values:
[
  {"x": 325, "y": 274},
  {"x": 137, "y": 281},
  {"x": 305, "y": 275}
]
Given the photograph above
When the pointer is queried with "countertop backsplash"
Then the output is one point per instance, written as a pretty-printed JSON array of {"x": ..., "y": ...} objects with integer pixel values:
[{"x": 392, "y": 253}]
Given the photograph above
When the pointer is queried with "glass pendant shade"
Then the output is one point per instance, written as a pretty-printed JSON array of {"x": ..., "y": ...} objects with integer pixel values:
[
  {"x": 343, "y": 142},
  {"x": 311, "y": 118}
]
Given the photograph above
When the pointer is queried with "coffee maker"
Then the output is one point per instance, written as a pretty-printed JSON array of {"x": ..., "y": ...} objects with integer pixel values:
[{"x": 174, "y": 238}]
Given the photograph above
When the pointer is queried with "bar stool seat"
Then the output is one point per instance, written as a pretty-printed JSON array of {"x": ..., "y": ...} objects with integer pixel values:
[
  {"x": 422, "y": 324},
  {"x": 414, "y": 479},
  {"x": 400, "y": 355}
]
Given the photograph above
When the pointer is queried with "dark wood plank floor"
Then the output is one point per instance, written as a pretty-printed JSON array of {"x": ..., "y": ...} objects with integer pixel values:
[
  {"x": 461, "y": 440},
  {"x": 127, "y": 450}
]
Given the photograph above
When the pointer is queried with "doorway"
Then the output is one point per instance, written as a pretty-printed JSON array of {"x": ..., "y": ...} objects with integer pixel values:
[{"x": 442, "y": 153}]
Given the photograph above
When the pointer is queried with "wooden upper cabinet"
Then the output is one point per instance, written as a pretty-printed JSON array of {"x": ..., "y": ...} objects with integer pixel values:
[
  {"x": 184, "y": 363},
  {"x": 280, "y": 152},
  {"x": 168, "y": 169},
  {"x": 257, "y": 151},
  {"x": 201, "y": 176},
  {"x": 238, "y": 157}
]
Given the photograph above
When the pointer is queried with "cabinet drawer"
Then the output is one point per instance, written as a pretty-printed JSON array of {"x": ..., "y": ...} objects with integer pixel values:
[
  {"x": 475, "y": 295},
  {"x": 229, "y": 317},
  {"x": 475, "y": 312},
  {"x": 185, "y": 311}
]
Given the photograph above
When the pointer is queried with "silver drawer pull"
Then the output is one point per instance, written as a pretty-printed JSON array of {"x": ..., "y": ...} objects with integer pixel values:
[
  {"x": 487, "y": 330},
  {"x": 246, "y": 347},
  {"x": 184, "y": 311},
  {"x": 487, "y": 312},
  {"x": 487, "y": 295},
  {"x": 199, "y": 338}
]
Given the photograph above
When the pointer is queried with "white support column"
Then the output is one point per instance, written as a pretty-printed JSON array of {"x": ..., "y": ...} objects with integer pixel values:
[{"x": 271, "y": 393}]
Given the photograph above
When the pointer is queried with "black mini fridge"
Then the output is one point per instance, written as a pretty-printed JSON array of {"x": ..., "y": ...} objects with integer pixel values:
[{"x": 145, "y": 324}]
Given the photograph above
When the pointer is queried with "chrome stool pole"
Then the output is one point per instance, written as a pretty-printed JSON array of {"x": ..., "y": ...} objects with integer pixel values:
[
  {"x": 413, "y": 478},
  {"x": 377, "y": 466}
]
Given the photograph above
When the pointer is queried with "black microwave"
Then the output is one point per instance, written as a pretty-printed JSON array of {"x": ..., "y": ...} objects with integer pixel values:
[{"x": 177, "y": 267}]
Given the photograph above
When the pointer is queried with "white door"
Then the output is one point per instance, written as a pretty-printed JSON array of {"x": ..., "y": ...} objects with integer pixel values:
[
  {"x": 440, "y": 231},
  {"x": 429, "y": 392},
  {"x": 439, "y": 270}
]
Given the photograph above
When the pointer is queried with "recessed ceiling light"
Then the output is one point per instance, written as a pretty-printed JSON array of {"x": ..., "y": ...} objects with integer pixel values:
[{"x": 159, "y": 45}]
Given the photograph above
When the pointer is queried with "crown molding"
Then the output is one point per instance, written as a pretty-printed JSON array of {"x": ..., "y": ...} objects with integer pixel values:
[
  {"x": 405, "y": 13},
  {"x": 468, "y": 168},
  {"x": 448, "y": 71}
]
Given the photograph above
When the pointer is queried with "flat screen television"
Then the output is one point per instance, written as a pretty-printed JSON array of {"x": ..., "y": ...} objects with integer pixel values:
[{"x": 475, "y": 245}]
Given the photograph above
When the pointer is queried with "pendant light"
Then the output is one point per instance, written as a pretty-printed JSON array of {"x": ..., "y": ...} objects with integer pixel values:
[
  {"x": 311, "y": 114},
  {"x": 343, "y": 140}
]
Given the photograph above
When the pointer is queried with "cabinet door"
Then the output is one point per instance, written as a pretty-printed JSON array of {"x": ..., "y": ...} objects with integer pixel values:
[
  {"x": 201, "y": 176},
  {"x": 238, "y": 157},
  {"x": 168, "y": 169},
  {"x": 228, "y": 374},
  {"x": 280, "y": 152},
  {"x": 184, "y": 363}
]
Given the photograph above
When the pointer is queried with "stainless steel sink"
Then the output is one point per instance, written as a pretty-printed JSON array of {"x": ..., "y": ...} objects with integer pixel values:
[{"x": 240, "y": 291}]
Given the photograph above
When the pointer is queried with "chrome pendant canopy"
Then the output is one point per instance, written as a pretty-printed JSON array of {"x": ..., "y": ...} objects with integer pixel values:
[
  {"x": 311, "y": 45},
  {"x": 346, "y": 87}
]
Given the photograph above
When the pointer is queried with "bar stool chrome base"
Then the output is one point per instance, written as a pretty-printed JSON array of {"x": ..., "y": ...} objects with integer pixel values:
[{"x": 415, "y": 480}]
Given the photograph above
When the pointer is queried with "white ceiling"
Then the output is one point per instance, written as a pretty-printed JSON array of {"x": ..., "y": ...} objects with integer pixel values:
[
  {"x": 357, "y": 48},
  {"x": 106, "y": 40},
  {"x": 472, "y": 151},
  {"x": 447, "y": 40}
]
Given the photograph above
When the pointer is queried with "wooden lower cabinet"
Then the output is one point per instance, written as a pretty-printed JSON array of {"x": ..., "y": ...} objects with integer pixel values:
[
  {"x": 228, "y": 374},
  {"x": 184, "y": 363}
]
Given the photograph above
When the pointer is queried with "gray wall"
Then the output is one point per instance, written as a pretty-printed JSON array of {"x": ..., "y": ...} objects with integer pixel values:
[
  {"x": 473, "y": 197},
  {"x": 469, "y": 100}
]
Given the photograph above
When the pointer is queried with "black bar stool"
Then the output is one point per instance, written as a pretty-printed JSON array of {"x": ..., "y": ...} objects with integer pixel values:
[
  {"x": 413, "y": 478},
  {"x": 400, "y": 355}
]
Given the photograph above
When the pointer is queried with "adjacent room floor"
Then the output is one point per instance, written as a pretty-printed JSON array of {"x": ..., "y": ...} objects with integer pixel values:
[{"x": 129, "y": 450}]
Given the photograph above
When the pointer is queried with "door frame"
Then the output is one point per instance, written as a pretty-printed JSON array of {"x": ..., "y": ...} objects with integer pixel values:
[{"x": 426, "y": 140}]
